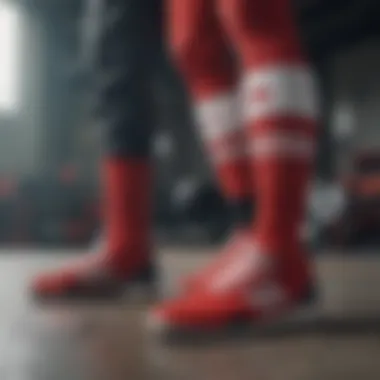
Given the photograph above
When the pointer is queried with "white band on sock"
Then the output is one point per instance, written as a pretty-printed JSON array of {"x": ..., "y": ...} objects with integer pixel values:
[
  {"x": 280, "y": 91},
  {"x": 218, "y": 116},
  {"x": 220, "y": 127},
  {"x": 283, "y": 145}
]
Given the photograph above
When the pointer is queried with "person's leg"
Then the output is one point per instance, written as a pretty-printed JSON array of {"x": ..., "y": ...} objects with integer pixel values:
[
  {"x": 280, "y": 108},
  {"x": 269, "y": 275},
  {"x": 123, "y": 75},
  {"x": 201, "y": 54},
  {"x": 125, "y": 85}
]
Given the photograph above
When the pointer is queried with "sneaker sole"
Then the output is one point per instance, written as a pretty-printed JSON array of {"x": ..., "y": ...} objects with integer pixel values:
[
  {"x": 135, "y": 293},
  {"x": 306, "y": 316}
]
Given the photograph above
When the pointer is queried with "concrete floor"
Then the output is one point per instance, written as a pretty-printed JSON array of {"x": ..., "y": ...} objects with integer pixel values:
[{"x": 109, "y": 343}]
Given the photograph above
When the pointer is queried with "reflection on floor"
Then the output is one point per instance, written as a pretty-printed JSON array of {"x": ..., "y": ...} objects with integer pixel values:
[{"x": 109, "y": 343}]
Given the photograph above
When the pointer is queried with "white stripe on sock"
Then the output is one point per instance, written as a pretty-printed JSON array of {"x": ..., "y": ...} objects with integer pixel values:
[{"x": 283, "y": 145}]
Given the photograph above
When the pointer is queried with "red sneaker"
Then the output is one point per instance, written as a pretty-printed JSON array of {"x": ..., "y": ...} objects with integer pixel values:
[
  {"x": 252, "y": 288},
  {"x": 227, "y": 253},
  {"x": 93, "y": 278}
]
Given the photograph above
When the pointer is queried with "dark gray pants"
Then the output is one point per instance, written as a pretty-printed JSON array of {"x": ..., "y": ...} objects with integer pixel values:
[{"x": 123, "y": 44}]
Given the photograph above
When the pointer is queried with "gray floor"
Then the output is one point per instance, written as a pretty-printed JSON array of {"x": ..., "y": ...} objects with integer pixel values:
[{"x": 110, "y": 343}]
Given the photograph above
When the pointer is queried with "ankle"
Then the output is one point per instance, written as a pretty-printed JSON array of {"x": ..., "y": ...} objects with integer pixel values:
[{"x": 126, "y": 264}]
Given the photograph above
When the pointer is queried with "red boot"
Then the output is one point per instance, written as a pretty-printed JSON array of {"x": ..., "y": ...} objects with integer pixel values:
[
  {"x": 125, "y": 257},
  {"x": 252, "y": 288}
]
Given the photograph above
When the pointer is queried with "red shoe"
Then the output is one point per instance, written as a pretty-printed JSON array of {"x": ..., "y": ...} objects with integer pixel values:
[
  {"x": 93, "y": 278},
  {"x": 251, "y": 289},
  {"x": 198, "y": 279}
]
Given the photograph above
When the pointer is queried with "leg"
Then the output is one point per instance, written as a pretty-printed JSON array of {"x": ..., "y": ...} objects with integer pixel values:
[
  {"x": 125, "y": 49},
  {"x": 201, "y": 54},
  {"x": 280, "y": 110},
  {"x": 269, "y": 275}
]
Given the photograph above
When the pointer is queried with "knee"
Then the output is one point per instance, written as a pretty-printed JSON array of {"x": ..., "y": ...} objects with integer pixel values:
[
  {"x": 259, "y": 18},
  {"x": 204, "y": 63},
  {"x": 263, "y": 30}
]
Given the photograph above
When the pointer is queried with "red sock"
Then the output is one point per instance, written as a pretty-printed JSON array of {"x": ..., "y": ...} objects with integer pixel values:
[
  {"x": 127, "y": 212},
  {"x": 202, "y": 54},
  {"x": 282, "y": 124},
  {"x": 280, "y": 111}
]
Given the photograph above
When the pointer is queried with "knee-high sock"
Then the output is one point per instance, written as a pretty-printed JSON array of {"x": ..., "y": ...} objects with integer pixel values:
[
  {"x": 203, "y": 60},
  {"x": 280, "y": 109}
]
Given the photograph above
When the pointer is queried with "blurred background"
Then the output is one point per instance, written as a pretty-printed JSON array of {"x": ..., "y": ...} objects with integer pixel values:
[{"x": 49, "y": 146}]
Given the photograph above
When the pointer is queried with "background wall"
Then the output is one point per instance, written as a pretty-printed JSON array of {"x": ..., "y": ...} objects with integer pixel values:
[
  {"x": 356, "y": 97},
  {"x": 21, "y": 131}
]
